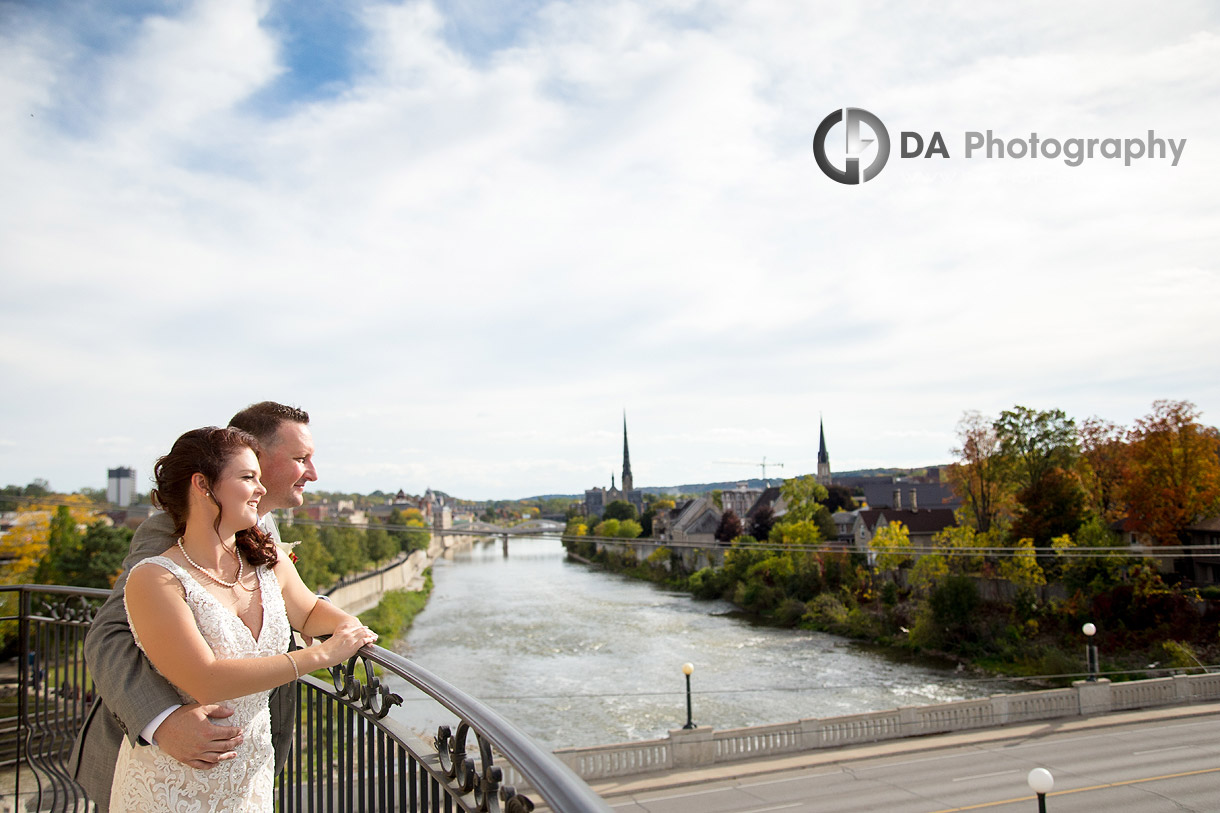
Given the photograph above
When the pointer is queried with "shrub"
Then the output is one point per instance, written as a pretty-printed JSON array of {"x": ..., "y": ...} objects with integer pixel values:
[
  {"x": 790, "y": 612},
  {"x": 826, "y": 611}
]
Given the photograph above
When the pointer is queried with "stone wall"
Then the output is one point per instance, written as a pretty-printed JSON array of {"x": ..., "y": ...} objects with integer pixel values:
[{"x": 360, "y": 593}]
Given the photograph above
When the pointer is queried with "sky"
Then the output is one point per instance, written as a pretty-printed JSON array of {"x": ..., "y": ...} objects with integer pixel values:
[{"x": 469, "y": 236}]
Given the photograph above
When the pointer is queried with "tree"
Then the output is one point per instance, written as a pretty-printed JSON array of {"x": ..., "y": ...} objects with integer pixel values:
[
  {"x": 1036, "y": 442},
  {"x": 313, "y": 559},
  {"x": 839, "y": 498},
  {"x": 892, "y": 545},
  {"x": 629, "y": 529},
  {"x": 607, "y": 527},
  {"x": 403, "y": 525},
  {"x": 1053, "y": 506},
  {"x": 1174, "y": 476},
  {"x": 381, "y": 546},
  {"x": 347, "y": 548},
  {"x": 729, "y": 527},
  {"x": 761, "y": 522},
  {"x": 803, "y": 496},
  {"x": 1081, "y": 568},
  {"x": 63, "y": 540},
  {"x": 1021, "y": 568},
  {"x": 1104, "y": 459},
  {"x": 98, "y": 559},
  {"x": 981, "y": 479},
  {"x": 620, "y": 510}
]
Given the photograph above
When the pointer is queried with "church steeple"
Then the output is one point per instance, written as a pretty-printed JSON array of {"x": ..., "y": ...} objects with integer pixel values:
[
  {"x": 823, "y": 456},
  {"x": 627, "y": 484}
]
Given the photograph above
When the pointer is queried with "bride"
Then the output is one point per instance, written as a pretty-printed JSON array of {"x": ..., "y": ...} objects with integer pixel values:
[{"x": 212, "y": 614}]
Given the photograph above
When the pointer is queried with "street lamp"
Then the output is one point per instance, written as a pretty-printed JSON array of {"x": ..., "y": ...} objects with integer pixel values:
[
  {"x": 1041, "y": 782},
  {"x": 687, "y": 668},
  {"x": 1090, "y": 651}
]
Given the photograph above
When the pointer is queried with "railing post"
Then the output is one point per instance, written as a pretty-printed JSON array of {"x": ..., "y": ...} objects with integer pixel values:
[
  {"x": 693, "y": 746},
  {"x": 23, "y": 684}
]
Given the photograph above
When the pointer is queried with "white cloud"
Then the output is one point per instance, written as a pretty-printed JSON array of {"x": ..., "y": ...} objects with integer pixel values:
[{"x": 465, "y": 264}]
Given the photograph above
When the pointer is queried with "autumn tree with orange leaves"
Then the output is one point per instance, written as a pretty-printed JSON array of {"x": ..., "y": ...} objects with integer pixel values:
[{"x": 1173, "y": 479}]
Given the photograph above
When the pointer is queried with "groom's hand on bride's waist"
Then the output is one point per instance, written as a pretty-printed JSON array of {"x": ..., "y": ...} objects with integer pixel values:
[{"x": 194, "y": 735}]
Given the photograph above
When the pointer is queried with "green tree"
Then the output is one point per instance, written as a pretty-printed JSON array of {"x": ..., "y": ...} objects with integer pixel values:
[
  {"x": 346, "y": 544},
  {"x": 607, "y": 527},
  {"x": 1036, "y": 442},
  {"x": 839, "y": 498},
  {"x": 629, "y": 529},
  {"x": 803, "y": 496},
  {"x": 620, "y": 509},
  {"x": 892, "y": 545},
  {"x": 1053, "y": 506},
  {"x": 313, "y": 561},
  {"x": 381, "y": 546},
  {"x": 1021, "y": 567},
  {"x": 63, "y": 543},
  {"x": 1082, "y": 562}
]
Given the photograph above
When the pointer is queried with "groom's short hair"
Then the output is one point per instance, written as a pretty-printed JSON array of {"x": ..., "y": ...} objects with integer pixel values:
[{"x": 263, "y": 420}]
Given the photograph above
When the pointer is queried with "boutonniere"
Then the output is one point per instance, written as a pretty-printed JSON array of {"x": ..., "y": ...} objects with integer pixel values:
[{"x": 286, "y": 548}]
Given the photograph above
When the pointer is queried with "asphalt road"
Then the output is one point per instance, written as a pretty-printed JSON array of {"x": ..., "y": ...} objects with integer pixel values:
[{"x": 1146, "y": 767}]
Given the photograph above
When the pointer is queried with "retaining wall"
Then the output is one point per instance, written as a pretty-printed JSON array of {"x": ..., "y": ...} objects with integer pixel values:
[{"x": 363, "y": 592}]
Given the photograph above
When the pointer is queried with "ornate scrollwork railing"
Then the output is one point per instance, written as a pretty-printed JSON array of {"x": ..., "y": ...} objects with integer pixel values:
[
  {"x": 463, "y": 769},
  {"x": 350, "y": 753}
]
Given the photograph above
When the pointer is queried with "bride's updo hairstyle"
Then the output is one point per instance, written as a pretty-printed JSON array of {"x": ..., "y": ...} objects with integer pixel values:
[{"x": 206, "y": 451}]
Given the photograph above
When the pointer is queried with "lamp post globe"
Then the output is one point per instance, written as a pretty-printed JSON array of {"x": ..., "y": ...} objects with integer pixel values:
[
  {"x": 1041, "y": 782},
  {"x": 1090, "y": 650}
]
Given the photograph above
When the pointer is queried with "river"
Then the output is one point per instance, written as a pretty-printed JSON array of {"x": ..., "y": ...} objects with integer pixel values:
[{"x": 573, "y": 655}]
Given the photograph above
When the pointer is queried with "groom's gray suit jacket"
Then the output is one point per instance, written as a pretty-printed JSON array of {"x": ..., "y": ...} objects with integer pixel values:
[{"x": 131, "y": 693}]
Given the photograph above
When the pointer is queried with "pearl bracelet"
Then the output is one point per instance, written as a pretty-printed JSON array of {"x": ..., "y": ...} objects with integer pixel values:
[{"x": 295, "y": 670}]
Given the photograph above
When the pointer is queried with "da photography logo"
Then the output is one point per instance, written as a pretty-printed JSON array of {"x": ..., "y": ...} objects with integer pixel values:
[
  {"x": 1072, "y": 151},
  {"x": 856, "y": 146}
]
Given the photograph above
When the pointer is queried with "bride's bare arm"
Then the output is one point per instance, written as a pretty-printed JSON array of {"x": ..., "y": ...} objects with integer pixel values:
[
  {"x": 307, "y": 613},
  {"x": 166, "y": 627}
]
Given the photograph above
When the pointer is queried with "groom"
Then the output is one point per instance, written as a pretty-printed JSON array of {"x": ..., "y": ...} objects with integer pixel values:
[{"x": 134, "y": 700}]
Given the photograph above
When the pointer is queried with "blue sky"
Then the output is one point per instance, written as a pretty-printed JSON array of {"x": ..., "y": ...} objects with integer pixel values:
[{"x": 465, "y": 236}]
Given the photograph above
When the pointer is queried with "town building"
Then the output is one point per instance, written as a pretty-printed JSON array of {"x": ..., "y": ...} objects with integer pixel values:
[
  {"x": 120, "y": 486},
  {"x": 596, "y": 499}
]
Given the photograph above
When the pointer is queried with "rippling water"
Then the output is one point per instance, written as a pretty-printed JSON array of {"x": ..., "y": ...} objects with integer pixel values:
[{"x": 576, "y": 656}]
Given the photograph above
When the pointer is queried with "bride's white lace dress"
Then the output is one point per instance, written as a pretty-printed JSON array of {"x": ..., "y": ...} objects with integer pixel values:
[{"x": 148, "y": 780}]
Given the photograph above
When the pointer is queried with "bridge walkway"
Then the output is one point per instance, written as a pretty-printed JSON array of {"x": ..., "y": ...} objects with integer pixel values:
[{"x": 640, "y": 792}]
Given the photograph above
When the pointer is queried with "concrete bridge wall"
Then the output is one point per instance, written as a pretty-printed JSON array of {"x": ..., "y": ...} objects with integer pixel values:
[{"x": 706, "y": 746}]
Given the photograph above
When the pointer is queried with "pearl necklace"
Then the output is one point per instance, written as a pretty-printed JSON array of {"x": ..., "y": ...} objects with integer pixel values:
[{"x": 208, "y": 573}]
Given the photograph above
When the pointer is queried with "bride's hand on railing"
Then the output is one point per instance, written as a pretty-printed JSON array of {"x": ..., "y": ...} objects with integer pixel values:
[{"x": 346, "y": 640}]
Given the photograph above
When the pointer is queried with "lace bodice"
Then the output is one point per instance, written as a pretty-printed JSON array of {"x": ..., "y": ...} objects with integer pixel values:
[{"x": 148, "y": 779}]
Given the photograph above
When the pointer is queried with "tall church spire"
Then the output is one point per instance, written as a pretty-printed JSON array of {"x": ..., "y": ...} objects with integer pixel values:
[
  {"x": 627, "y": 484},
  {"x": 823, "y": 456}
]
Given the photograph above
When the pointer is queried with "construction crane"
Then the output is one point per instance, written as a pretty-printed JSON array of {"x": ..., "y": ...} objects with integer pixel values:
[{"x": 763, "y": 465}]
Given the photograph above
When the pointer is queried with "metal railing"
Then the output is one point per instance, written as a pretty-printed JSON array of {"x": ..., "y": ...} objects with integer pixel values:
[
  {"x": 350, "y": 753},
  {"x": 54, "y": 690}
]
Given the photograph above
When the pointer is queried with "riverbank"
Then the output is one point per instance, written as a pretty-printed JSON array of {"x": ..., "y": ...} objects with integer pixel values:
[
  {"x": 1148, "y": 629},
  {"x": 393, "y": 616}
]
